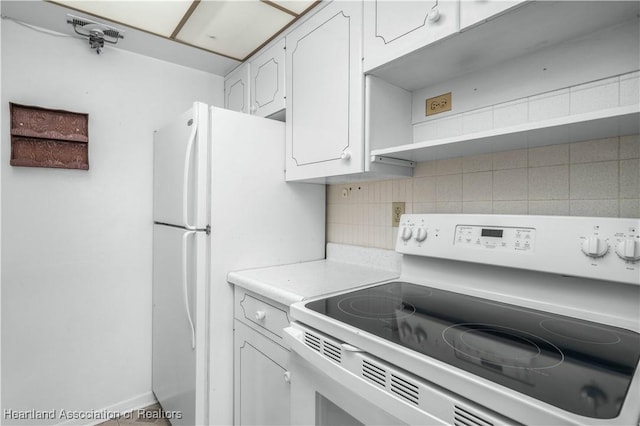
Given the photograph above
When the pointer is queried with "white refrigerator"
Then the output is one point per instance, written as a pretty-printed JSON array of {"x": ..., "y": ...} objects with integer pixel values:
[{"x": 220, "y": 203}]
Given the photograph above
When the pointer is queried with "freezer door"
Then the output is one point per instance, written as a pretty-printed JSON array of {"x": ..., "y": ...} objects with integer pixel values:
[
  {"x": 180, "y": 170},
  {"x": 179, "y": 323}
]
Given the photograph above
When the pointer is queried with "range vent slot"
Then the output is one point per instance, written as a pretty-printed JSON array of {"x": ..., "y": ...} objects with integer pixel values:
[
  {"x": 466, "y": 417},
  {"x": 405, "y": 389},
  {"x": 332, "y": 351},
  {"x": 374, "y": 373},
  {"x": 312, "y": 341}
]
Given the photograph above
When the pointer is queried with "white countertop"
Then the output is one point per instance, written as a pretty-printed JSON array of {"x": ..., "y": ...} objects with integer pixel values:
[{"x": 299, "y": 281}]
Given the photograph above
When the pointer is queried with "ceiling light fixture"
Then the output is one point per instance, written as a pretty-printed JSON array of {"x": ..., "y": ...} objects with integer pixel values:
[{"x": 97, "y": 33}]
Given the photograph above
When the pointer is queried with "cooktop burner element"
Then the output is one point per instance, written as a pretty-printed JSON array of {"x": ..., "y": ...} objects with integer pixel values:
[
  {"x": 496, "y": 347},
  {"x": 375, "y": 307},
  {"x": 536, "y": 353}
]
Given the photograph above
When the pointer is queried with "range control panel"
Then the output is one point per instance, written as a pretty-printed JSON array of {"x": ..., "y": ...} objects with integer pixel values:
[
  {"x": 591, "y": 247},
  {"x": 496, "y": 238}
]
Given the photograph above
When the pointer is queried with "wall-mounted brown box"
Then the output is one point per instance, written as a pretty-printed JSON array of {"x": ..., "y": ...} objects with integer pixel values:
[{"x": 42, "y": 137}]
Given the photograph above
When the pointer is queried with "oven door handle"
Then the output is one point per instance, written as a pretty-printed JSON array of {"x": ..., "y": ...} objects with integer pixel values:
[{"x": 350, "y": 348}]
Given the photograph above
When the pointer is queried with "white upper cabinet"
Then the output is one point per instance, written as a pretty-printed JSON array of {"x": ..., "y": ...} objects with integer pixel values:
[
  {"x": 476, "y": 11},
  {"x": 236, "y": 89},
  {"x": 324, "y": 131},
  {"x": 268, "y": 81},
  {"x": 395, "y": 28}
]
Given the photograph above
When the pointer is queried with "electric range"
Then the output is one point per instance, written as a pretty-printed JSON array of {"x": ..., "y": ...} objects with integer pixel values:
[{"x": 517, "y": 319}]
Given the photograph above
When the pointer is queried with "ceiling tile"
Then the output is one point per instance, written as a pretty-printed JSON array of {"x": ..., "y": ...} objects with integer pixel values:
[
  {"x": 296, "y": 6},
  {"x": 233, "y": 28},
  {"x": 158, "y": 17}
]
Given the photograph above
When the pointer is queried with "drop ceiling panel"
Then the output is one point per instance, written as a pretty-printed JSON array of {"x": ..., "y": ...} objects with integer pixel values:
[
  {"x": 158, "y": 17},
  {"x": 296, "y": 6},
  {"x": 233, "y": 28}
]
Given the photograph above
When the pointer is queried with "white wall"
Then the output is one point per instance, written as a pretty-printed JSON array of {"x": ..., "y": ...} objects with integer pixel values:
[{"x": 76, "y": 245}]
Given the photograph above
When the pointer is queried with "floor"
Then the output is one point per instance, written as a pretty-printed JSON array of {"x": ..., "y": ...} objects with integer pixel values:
[{"x": 151, "y": 415}]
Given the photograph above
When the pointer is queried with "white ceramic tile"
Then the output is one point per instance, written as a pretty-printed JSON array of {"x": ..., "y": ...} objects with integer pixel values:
[
  {"x": 596, "y": 150},
  {"x": 549, "y": 183},
  {"x": 510, "y": 113},
  {"x": 596, "y": 208},
  {"x": 449, "y": 207},
  {"x": 552, "y": 155},
  {"x": 402, "y": 190},
  {"x": 510, "y": 185},
  {"x": 477, "y": 120},
  {"x": 477, "y": 186},
  {"x": 449, "y": 188},
  {"x": 426, "y": 168},
  {"x": 510, "y": 159},
  {"x": 629, "y": 147},
  {"x": 630, "y": 178},
  {"x": 594, "y": 181},
  {"x": 630, "y": 208},
  {"x": 477, "y": 163},
  {"x": 594, "y": 96},
  {"x": 424, "y": 189},
  {"x": 477, "y": 207},
  {"x": 549, "y": 207},
  {"x": 449, "y": 166},
  {"x": 630, "y": 89},
  {"x": 549, "y": 105},
  {"x": 424, "y": 207},
  {"x": 438, "y": 128},
  {"x": 510, "y": 207}
]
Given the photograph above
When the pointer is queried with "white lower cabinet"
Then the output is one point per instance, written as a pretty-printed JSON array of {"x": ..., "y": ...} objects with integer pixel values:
[{"x": 261, "y": 363}]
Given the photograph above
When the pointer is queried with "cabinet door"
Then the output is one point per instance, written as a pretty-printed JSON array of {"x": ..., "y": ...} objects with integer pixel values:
[
  {"x": 395, "y": 28},
  {"x": 261, "y": 384},
  {"x": 267, "y": 81},
  {"x": 236, "y": 89},
  {"x": 325, "y": 94},
  {"x": 475, "y": 11}
]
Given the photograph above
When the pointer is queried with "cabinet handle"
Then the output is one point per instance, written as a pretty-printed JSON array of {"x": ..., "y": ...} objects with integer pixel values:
[
  {"x": 434, "y": 14},
  {"x": 253, "y": 109},
  {"x": 346, "y": 155},
  {"x": 260, "y": 315},
  {"x": 287, "y": 376}
]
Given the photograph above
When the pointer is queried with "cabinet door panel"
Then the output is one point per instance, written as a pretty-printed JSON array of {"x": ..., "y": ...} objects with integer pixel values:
[
  {"x": 324, "y": 94},
  {"x": 236, "y": 89},
  {"x": 395, "y": 28},
  {"x": 475, "y": 11},
  {"x": 268, "y": 81},
  {"x": 261, "y": 392}
]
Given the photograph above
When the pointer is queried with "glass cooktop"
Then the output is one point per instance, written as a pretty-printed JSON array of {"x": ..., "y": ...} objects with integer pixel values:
[{"x": 580, "y": 366}]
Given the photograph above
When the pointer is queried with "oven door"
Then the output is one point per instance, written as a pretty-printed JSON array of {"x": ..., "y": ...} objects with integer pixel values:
[
  {"x": 316, "y": 399},
  {"x": 334, "y": 383}
]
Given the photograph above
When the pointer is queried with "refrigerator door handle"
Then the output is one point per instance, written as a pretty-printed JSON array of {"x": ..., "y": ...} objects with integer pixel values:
[
  {"x": 187, "y": 169},
  {"x": 185, "y": 287}
]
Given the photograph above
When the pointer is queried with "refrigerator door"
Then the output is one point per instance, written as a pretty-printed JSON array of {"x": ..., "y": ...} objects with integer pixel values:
[
  {"x": 179, "y": 323},
  {"x": 180, "y": 170}
]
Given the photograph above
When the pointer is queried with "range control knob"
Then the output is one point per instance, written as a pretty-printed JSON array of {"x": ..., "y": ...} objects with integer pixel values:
[
  {"x": 406, "y": 233},
  {"x": 628, "y": 249},
  {"x": 594, "y": 247},
  {"x": 421, "y": 234}
]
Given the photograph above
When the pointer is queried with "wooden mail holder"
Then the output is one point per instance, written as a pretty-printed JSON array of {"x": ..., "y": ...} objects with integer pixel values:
[{"x": 42, "y": 137}]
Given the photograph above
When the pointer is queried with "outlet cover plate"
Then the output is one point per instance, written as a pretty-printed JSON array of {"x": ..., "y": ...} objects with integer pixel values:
[{"x": 397, "y": 210}]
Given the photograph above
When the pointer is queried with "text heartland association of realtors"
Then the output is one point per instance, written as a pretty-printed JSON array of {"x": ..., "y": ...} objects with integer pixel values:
[{"x": 88, "y": 414}]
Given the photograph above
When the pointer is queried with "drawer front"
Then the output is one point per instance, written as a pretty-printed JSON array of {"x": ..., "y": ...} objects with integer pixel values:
[{"x": 266, "y": 316}]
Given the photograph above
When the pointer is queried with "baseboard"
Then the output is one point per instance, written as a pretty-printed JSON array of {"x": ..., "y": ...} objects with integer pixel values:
[{"x": 110, "y": 412}]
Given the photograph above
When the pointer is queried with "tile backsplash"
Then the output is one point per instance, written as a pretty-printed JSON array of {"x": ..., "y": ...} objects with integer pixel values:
[{"x": 591, "y": 178}]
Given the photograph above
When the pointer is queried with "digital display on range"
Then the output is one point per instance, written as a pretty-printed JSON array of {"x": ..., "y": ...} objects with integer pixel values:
[{"x": 497, "y": 233}]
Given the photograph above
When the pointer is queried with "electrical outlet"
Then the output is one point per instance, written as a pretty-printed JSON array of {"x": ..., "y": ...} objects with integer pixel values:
[
  {"x": 438, "y": 104},
  {"x": 397, "y": 210}
]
